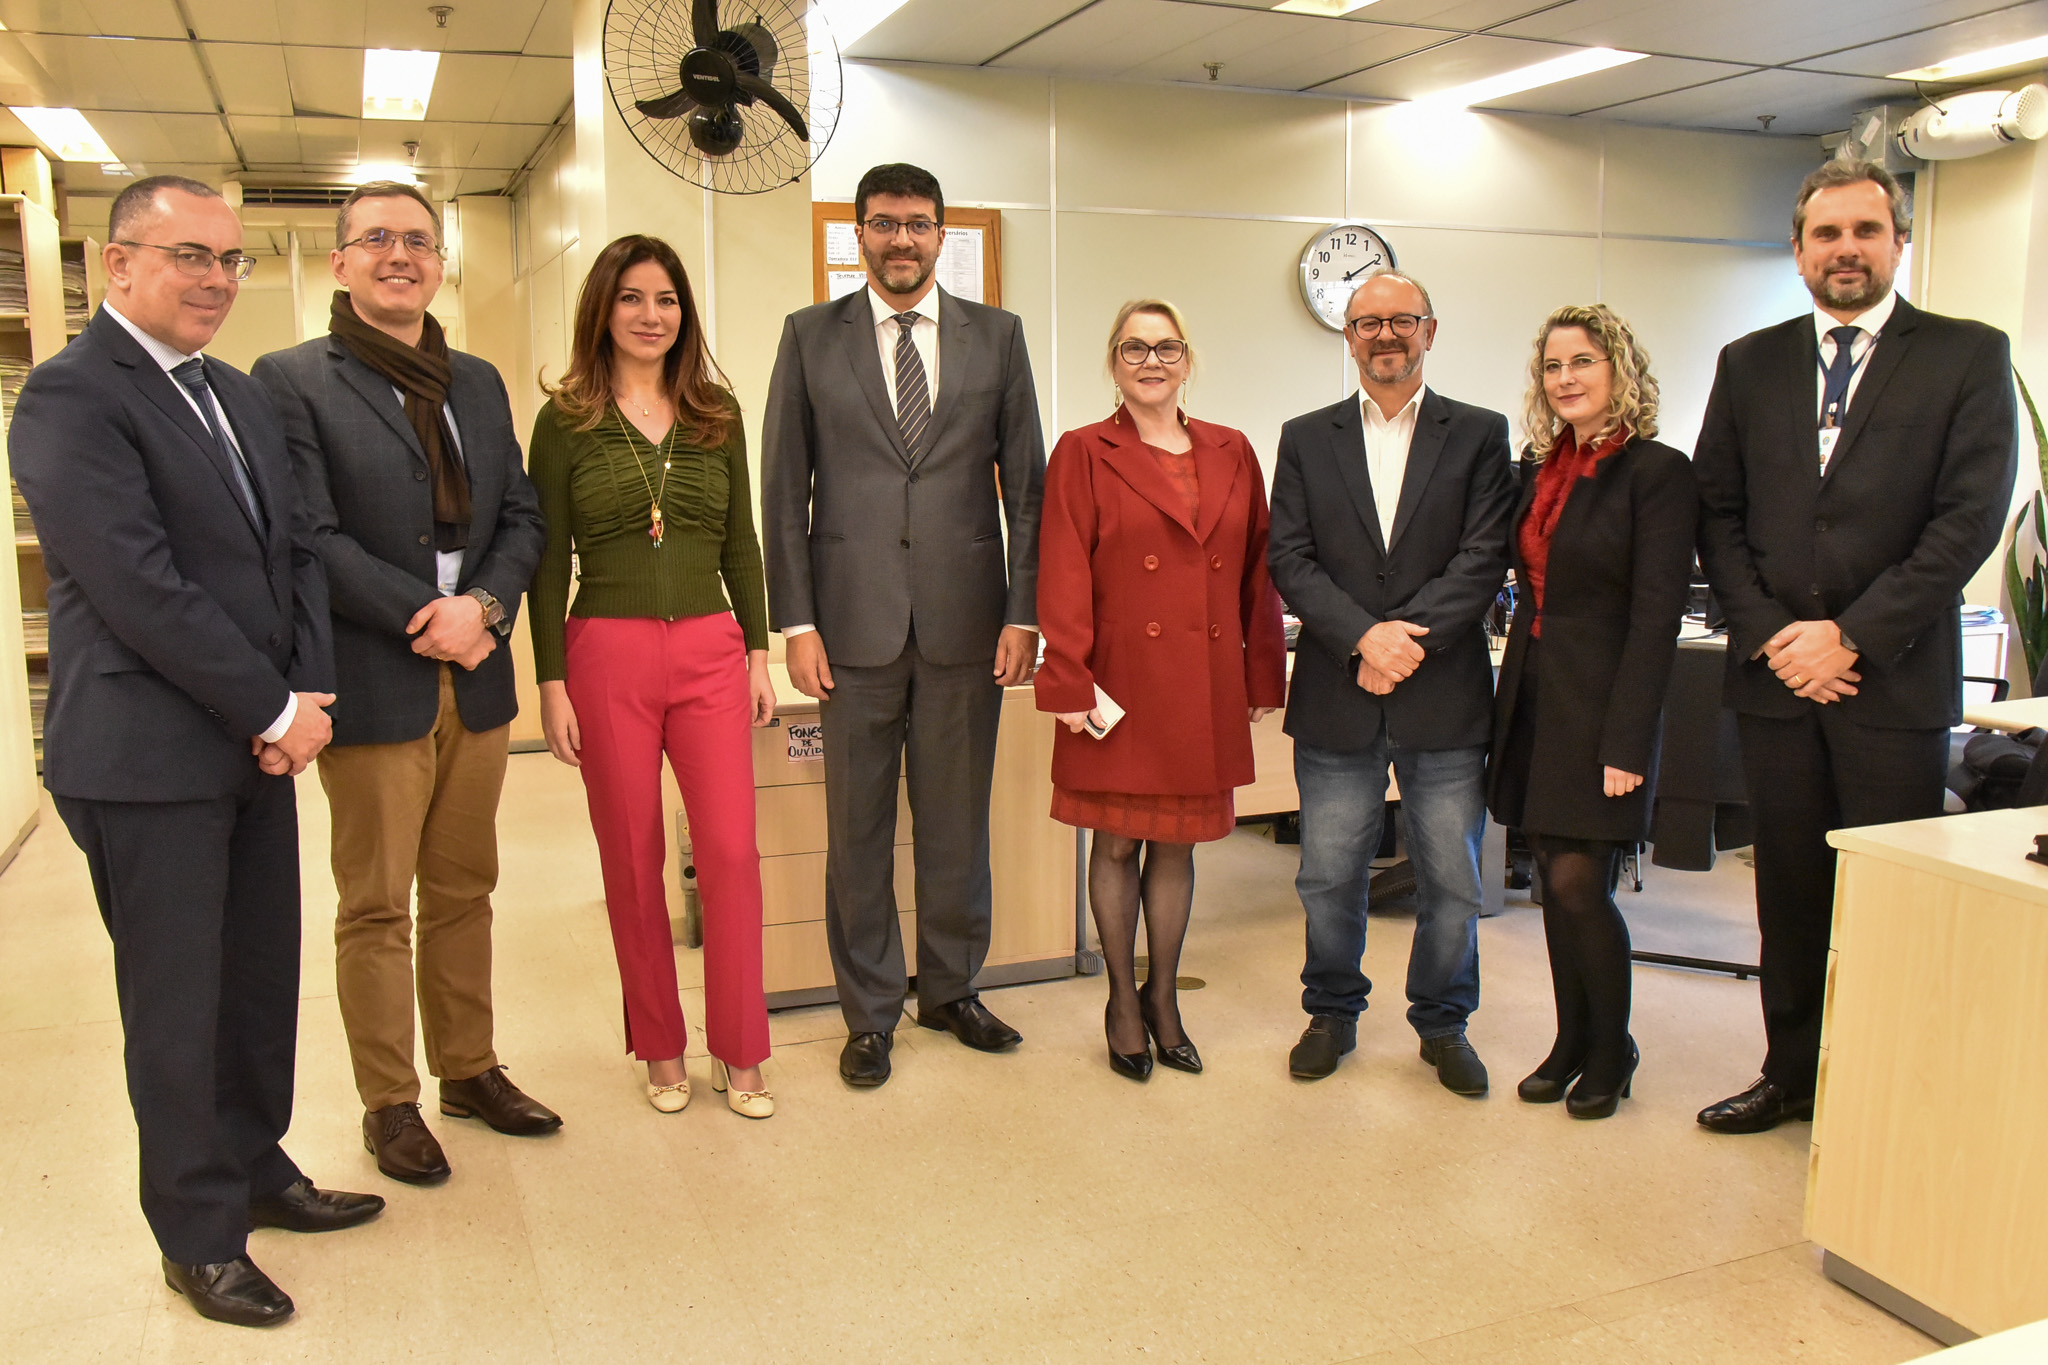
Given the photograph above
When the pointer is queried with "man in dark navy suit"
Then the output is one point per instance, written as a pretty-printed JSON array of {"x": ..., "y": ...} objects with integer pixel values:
[{"x": 189, "y": 665}]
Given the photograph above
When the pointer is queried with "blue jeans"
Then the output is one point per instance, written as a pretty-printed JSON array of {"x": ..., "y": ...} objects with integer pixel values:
[{"x": 1343, "y": 807}]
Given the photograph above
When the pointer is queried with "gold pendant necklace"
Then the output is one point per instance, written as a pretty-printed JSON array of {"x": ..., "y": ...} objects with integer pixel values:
[{"x": 655, "y": 528}]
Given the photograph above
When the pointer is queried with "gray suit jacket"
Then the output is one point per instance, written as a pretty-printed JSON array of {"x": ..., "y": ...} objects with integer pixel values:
[
  {"x": 866, "y": 543},
  {"x": 363, "y": 477}
]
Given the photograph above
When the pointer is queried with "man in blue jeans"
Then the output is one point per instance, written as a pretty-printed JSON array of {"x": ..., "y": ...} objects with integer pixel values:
[{"x": 1391, "y": 513}]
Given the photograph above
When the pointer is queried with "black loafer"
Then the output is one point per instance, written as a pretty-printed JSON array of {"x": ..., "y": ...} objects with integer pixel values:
[
  {"x": 1327, "y": 1038},
  {"x": 1457, "y": 1065},
  {"x": 230, "y": 1291},
  {"x": 302, "y": 1207},
  {"x": 1758, "y": 1109},
  {"x": 864, "y": 1061},
  {"x": 969, "y": 1020}
]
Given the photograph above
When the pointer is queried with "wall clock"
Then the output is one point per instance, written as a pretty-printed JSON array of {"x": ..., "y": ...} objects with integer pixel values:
[{"x": 1333, "y": 263}]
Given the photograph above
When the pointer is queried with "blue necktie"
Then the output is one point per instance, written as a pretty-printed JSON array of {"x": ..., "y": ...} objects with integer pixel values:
[
  {"x": 192, "y": 374},
  {"x": 1834, "y": 397}
]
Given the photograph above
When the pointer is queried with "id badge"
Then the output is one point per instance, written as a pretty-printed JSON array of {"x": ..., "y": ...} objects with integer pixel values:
[{"x": 1828, "y": 437}]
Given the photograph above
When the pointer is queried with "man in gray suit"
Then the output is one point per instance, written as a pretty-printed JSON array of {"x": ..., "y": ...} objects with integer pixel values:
[
  {"x": 898, "y": 418},
  {"x": 422, "y": 512}
]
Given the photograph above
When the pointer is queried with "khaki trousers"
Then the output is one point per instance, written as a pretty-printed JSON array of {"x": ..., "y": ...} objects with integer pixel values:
[{"x": 425, "y": 810}]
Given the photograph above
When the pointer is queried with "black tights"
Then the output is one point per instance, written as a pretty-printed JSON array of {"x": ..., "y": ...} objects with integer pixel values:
[
  {"x": 1117, "y": 889},
  {"x": 1589, "y": 961}
]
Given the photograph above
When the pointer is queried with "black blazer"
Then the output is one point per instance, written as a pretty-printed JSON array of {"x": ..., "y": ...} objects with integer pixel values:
[
  {"x": 1614, "y": 587},
  {"x": 1913, "y": 502},
  {"x": 858, "y": 537},
  {"x": 178, "y": 630},
  {"x": 363, "y": 475},
  {"x": 1444, "y": 569}
]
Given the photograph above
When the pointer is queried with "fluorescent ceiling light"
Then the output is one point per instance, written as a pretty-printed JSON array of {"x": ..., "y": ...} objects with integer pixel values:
[
  {"x": 850, "y": 20},
  {"x": 1991, "y": 59},
  {"x": 398, "y": 84},
  {"x": 1581, "y": 63},
  {"x": 67, "y": 134},
  {"x": 1331, "y": 9}
]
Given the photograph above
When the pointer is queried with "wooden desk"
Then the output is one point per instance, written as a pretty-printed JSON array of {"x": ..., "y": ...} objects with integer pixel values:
[
  {"x": 1031, "y": 856},
  {"x": 2022, "y": 714},
  {"x": 1925, "y": 1187}
]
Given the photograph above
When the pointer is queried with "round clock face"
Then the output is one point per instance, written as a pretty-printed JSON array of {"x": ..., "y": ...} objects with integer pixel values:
[{"x": 1333, "y": 263}]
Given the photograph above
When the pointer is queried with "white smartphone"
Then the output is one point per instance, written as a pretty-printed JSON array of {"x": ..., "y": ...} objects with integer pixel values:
[{"x": 1110, "y": 712}]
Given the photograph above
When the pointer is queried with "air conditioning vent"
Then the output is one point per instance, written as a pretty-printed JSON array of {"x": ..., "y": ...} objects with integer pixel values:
[{"x": 295, "y": 196}]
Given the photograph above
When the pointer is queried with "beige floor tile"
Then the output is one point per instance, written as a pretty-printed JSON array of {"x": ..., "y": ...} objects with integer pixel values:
[
  {"x": 1529, "y": 1331},
  {"x": 102, "y": 1340}
]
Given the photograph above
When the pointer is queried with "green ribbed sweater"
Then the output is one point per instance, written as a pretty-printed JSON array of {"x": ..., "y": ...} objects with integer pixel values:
[{"x": 594, "y": 496}]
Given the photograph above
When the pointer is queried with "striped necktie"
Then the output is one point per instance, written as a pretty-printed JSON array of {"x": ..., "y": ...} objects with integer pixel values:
[
  {"x": 192, "y": 374},
  {"x": 913, "y": 394}
]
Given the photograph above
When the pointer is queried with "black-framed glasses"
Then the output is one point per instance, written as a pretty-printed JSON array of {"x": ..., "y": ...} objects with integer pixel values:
[
  {"x": 1135, "y": 352},
  {"x": 918, "y": 228},
  {"x": 1576, "y": 366},
  {"x": 381, "y": 240},
  {"x": 1400, "y": 324},
  {"x": 198, "y": 262}
]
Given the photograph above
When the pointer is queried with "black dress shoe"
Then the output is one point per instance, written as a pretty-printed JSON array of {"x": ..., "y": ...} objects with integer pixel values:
[
  {"x": 864, "y": 1061},
  {"x": 1457, "y": 1065},
  {"x": 1537, "y": 1088},
  {"x": 1327, "y": 1037},
  {"x": 969, "y": 1020},
  {"x": 1758, "y": 1109},
  {"x": 492, "y": 1097},
  {"x": 301, "y": 1207},
  {"x": 1182, "y": 1057},
  {"x": 1587, "y": 1103},
  {"x": 1137, "y": 1065},
  {"x": 230, "y": 1291},
  {"x": 403, "y": 1145}
]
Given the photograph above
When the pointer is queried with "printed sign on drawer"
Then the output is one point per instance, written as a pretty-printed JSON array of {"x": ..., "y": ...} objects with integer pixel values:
[{"x": 807, "y": 743}]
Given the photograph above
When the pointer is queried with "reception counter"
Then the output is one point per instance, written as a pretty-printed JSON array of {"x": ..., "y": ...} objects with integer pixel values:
[{"x": 1926, "y": 1189}]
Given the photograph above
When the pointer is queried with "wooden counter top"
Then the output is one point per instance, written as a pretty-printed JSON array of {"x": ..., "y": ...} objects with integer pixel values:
[{"x": 1985, "y": 849}]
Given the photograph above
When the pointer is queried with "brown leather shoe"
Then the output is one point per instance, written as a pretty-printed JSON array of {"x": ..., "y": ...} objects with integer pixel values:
[
  {"x": 397, "y": 1136},
  {"x": 493, "y": 1098}
]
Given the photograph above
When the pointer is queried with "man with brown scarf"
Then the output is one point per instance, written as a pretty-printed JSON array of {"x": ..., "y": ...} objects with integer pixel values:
[{"x": 422, "y": 512}]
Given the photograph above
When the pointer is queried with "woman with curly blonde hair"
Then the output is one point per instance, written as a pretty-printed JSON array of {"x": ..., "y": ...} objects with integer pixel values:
[{"x": 1602, "y": 553}]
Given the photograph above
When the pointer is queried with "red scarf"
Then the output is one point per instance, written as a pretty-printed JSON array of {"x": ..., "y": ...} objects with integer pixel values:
[{"x": 1555, "y": 478}]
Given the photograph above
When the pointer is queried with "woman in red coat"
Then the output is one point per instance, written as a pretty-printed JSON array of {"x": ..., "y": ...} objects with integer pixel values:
[{"x": 1153, "y": 593}]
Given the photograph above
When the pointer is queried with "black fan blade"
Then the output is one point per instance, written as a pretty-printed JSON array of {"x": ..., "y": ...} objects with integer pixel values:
[
  {"x": 704, "y": 22},
  {"x": 766, "y": 49},
  {"x": 776, "y": 100},
  {"x": 668, "y": 106}
]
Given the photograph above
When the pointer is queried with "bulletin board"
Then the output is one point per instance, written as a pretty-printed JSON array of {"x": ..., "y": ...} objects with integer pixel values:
[{"x": 970, "y": 263}]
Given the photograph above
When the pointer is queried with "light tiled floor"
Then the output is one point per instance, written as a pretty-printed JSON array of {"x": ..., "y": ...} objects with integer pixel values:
[{"x": 1027, "y": 1207}]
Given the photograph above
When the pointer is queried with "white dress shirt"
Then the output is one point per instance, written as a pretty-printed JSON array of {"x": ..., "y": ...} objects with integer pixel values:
[
  {"x": 924, "y": 337},
  {"x": 169, "y": 359},
  {"x": 1868, "y": 324},
  {"x": 1386, "y": 455}
]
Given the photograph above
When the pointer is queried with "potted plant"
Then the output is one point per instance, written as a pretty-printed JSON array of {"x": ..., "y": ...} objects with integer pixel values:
[{"x": 2029, "y": 591}]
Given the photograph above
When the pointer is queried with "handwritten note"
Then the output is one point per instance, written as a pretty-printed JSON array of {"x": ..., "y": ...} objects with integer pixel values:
[{"x": 807, "y": 743}]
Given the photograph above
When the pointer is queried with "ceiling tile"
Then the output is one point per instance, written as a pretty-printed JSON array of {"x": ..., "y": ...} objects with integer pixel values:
[
  {"x": 267, "y": 141},
  {"x": 506, "y": 148},
  {"x": 1637, "y": 80},
  {"x": 1285, "y": 51},
  {"x": 474, "y": 26},
  {"x": 442, "y": 146},
  {"x": 1454, "y": 14},
  {"x": 329, "y": 142},
  {"x": 1113, "y": 36},
  {"x": 540, "y": 89},
  {"x": 235, "y": 21},
  {"x": 1756, "y": 32},
  {"x": 553, "y": 32},
  {"x": 252, "y": 77},
  {"x": 1443, "y": 67},
  {"x": 124, "y": 18},
  {"x": 116, "y": 73},
  {"x": 478, "y": 180},
  {"x": 317, "y": 22},
  {"x": 966, "y": 34},
  {"x": 468, "y": 86},
  {"x": 1801, "y": 102},
  {"x": 1939, "y": 44},
  {"x": 325, "y": 81},
  {"x": 157, "y": 138}
]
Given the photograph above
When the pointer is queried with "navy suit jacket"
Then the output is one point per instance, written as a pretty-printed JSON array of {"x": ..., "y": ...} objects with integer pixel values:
[{"x": 178, "y": 628}]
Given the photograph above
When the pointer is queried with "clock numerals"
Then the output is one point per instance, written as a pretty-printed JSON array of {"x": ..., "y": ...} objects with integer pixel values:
[{"x": 1333, "y": 262}]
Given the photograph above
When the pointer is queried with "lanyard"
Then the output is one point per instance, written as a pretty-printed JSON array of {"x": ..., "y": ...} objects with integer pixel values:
[{"x": 1830, "y": 417}]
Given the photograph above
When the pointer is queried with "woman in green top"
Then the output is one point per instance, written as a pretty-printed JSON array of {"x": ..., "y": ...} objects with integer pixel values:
[{"x": 641, "y": 465}]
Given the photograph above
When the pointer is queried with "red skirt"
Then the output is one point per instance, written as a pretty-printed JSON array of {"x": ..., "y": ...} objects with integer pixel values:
[{"x": 1144, "y": 815}]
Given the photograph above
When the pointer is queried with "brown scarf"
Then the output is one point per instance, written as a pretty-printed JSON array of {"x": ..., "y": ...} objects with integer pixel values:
[{"x": 422, "y": 373}]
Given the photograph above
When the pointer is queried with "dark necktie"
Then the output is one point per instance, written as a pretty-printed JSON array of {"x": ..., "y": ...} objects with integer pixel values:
[
  {"x": 913, "y": 395},
  {"x": 192, "y": 374},
  {"x": 1834, "y": 397}
]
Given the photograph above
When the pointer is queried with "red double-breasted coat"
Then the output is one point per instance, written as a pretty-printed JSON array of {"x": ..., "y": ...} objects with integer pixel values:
[{"x": 1176, "y": 620}]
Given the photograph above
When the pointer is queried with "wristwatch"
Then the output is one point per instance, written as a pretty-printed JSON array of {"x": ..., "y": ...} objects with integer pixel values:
[{"x": 494, "y": 610}]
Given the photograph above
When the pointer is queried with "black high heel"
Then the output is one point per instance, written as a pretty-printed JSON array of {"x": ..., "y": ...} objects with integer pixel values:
[
  {"x": 1182, "y": 1057},
  {"x": 1540, "y": 1087},
  {"x": 1135, "y": 1066},
  {"x": 1582, "y": 1105}
]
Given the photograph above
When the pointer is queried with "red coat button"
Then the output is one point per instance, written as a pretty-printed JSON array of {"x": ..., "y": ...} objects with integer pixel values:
[
  {"x": 1215, "y": 632},
  {"x": 1151, "y": 561},
  {"x": 1215, "y": 561},
  {"x": 1151, "y": 627}
]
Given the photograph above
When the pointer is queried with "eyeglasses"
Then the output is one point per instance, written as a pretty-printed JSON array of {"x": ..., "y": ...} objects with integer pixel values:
[
  {"x": 380, "y": 240},
  {"x": 1577, "y": 365},
  {"x": 919, "y": 228},
  {"x": 198, "y": 262},
  {"x": 1401, "y": 325},
  {"x": 1136, "y": 352}
]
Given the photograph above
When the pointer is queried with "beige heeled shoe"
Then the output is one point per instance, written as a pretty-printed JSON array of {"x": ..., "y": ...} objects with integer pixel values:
[
  {"x": 670, "y": 1099},
  {"x": 752, "y": 1104}
]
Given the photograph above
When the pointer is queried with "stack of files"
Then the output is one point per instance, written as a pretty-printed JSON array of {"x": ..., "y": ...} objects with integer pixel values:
[
  {"x": 13, "y": 282},
  {"x": 76, "y": 314}
]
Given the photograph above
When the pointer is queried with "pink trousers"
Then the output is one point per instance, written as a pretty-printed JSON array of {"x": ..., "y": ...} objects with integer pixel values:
[{"x": 642, "y": 687}]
